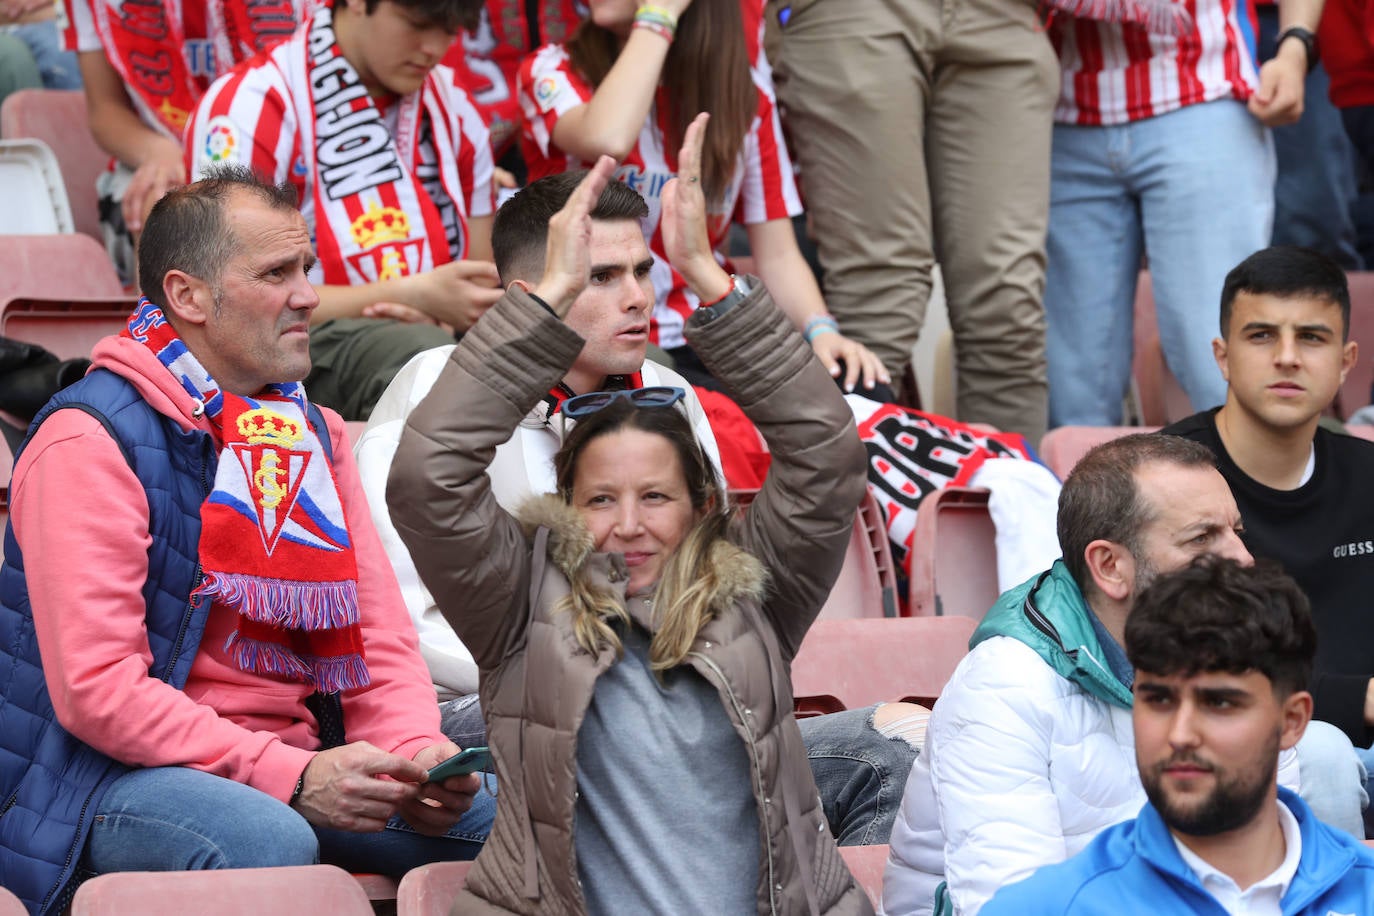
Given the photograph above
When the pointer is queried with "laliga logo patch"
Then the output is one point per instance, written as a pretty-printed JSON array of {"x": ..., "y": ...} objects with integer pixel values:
[
  {"x": 273, "y": 469},
  {"x": 221, "y": 139},
  {"x": 544, "y": 91}
]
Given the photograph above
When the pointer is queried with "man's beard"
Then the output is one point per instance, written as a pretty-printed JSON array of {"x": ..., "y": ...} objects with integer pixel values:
[{"x": 1234, "y": 801}]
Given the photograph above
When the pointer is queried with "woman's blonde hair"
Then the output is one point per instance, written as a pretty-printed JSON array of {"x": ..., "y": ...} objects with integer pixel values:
[
  {"x": 707, "y": 69},
  {"x": 682, "y": 601}
]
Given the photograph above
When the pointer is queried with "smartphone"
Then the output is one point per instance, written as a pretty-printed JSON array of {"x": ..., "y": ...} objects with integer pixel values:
[{"x": 460, "y": 764}]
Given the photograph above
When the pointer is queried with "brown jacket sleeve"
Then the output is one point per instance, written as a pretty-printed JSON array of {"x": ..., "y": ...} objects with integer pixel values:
[
  {"x": 799, "y": 523},
  {"x": 471, "y": 555}
]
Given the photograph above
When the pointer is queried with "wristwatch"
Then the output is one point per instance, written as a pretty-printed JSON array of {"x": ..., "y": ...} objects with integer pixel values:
[
  {"x": 1309, "y": 42},
  {"x": 740, "y": 289}
]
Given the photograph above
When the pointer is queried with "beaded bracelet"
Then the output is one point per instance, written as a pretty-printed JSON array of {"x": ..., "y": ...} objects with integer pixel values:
[
  {"x": 821, "y": 324},
  {"x": 657, "y": 19},
  {"x": 657, "y": 28}
]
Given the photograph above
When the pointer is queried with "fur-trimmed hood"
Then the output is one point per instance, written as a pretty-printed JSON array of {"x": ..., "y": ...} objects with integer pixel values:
[{"x": 739, "y": 575}]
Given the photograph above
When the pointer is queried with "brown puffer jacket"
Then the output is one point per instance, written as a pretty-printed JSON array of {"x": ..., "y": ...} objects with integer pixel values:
[{"x": 536, "y": 681}]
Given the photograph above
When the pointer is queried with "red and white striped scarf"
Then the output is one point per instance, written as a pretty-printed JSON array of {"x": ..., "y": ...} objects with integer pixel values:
[
  {"x": 144, "y": 42},
  {"x": 373, "y": 219}
]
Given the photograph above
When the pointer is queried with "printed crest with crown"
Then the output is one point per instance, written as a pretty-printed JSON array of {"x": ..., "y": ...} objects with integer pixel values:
[
  {"x": 261, "y": 426},
  {"x": 380, "y": 225},
  {"x": 172, "y": 115}
]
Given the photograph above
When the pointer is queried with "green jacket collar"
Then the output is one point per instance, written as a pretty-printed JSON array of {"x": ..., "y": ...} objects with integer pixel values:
[{"x": 1048, "y": 614}]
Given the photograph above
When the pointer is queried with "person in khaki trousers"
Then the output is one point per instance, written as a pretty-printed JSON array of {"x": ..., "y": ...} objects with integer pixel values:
[{"x": 923, "y": 133}]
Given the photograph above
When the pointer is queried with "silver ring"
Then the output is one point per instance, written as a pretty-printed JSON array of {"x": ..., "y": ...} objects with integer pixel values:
[{"x": 692, "y": 180}]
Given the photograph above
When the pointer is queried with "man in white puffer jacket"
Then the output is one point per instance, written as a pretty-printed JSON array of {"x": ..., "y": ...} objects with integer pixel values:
[{"x": 1029, "y": 752}]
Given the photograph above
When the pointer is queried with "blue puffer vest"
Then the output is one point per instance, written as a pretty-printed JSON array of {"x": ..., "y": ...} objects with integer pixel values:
[{"x": 50, "y": 781}]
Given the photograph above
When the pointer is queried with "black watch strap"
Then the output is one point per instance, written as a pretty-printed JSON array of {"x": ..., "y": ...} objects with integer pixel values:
[
  {"x": 300, "y": 787},
  {"x": 1308, "y": 39},
  {"x": 739, "y": 291}
]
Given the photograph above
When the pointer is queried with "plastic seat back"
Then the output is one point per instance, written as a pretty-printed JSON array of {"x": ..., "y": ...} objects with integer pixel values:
[
  {"x": 1062, "y": 448},
  {"x": 1159, "y": 397},
  {"x": 867, "y": 584},
  {"x": 866, "y": 864},
  {"x": 953, "y": 555},
  {"x": 58, "y": 118},
  {"x": 848, "y": 664},
  {"x": 56, "y": 267},
  {"x": 1361, "y": 432},
  {"x": 61, "y": 292},
  {"x": 287, "y": 891},
  {"x": 68, "y": 328},
  {"x": 429, "y": 890},
  {"x": 1355, "y": 390},
  {"x": 32, "y": 189}
]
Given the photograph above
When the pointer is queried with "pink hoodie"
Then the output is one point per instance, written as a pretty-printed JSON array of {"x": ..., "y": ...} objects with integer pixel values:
[{"x": 81, "y": 517}]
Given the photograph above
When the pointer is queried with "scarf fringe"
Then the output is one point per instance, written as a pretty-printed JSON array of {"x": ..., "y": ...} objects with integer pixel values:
[
  {"x": 266, "y": 658},
  {"x": 286, "y": 604},
  {"x": 329, "y": 675},
  {"x": 335, "y": 675}
]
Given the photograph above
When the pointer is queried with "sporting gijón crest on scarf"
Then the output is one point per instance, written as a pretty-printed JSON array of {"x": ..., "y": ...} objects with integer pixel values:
[{"x": 274, "y": 543}]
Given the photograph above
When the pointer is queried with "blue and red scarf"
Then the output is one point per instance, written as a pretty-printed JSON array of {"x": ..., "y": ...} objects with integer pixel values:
[{"x": 274, "y": 543}]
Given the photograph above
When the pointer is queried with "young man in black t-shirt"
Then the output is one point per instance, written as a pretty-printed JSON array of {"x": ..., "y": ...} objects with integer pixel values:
[{"x": 1306, "y": 495}]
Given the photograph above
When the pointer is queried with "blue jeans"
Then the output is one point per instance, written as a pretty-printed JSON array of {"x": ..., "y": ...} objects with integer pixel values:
[
  {"x": 859, "y": 773},
  {"x": 1195, "y": 190},
  {"x": 179, "y": 819},
  {"x": 1316, "y": 189},
  {"x": 461, "y": 721},
  {"x": 57, "y": 68}
]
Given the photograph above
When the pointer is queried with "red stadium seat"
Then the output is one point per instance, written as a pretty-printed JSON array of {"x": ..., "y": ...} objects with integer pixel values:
[
  {"x": 58, "y": 118},
  {"x": 849, "y": 664},
  {"x": 1361, "y": 432},
  {"x": 1062, "y": 448},
  {"x": 230, "y": 892},
  {"x": 377, "y": 887},
  {"x": 1354, "y": 392},
  {"x": 60, "y": 291},
  {"x": 56, "y": 267},
  {"x": 867, "y": 584},
  {"x": 1159, "y": 397},
  {"x": 954, "y": 555},
  {"x": 429, "y": 890},
  {"x": 866, "y": 864}
]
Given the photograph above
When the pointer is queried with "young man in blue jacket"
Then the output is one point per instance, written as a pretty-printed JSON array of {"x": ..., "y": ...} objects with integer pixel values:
[{"x": 1222, "y": 656}]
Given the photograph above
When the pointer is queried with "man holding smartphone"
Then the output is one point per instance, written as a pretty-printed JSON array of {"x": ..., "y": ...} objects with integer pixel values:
[{"x": 230, "y": 680}]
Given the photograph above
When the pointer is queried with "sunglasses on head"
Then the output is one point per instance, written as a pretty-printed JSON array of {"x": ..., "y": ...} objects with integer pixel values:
[{"x": 654, "y": 396}]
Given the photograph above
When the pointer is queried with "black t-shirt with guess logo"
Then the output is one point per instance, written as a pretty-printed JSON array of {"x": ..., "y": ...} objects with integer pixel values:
[{"x": 1323, "y": 534}]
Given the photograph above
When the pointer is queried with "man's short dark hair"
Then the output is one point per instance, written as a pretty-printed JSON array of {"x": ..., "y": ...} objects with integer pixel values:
[
  {"x": 1216, "y": 615},
  {"x": 521, "y": 229},
  {"x": 453, "y": 15},
  {"x": 1101, "y": 499},
  {"x": 187, "y": 231},
  {"x": 1287, "y": 272}
]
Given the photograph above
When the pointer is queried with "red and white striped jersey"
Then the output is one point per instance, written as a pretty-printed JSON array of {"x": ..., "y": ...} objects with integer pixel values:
[
  {"x": 762, "y": 188},
  {"x": 252, "y": 116},
  {"x": 1114, "y": 73}
]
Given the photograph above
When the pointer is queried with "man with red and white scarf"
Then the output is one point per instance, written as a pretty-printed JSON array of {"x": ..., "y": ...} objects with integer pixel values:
[
  {"x": 210, "y": 664},
  {"x": 393, "y": 167}
]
